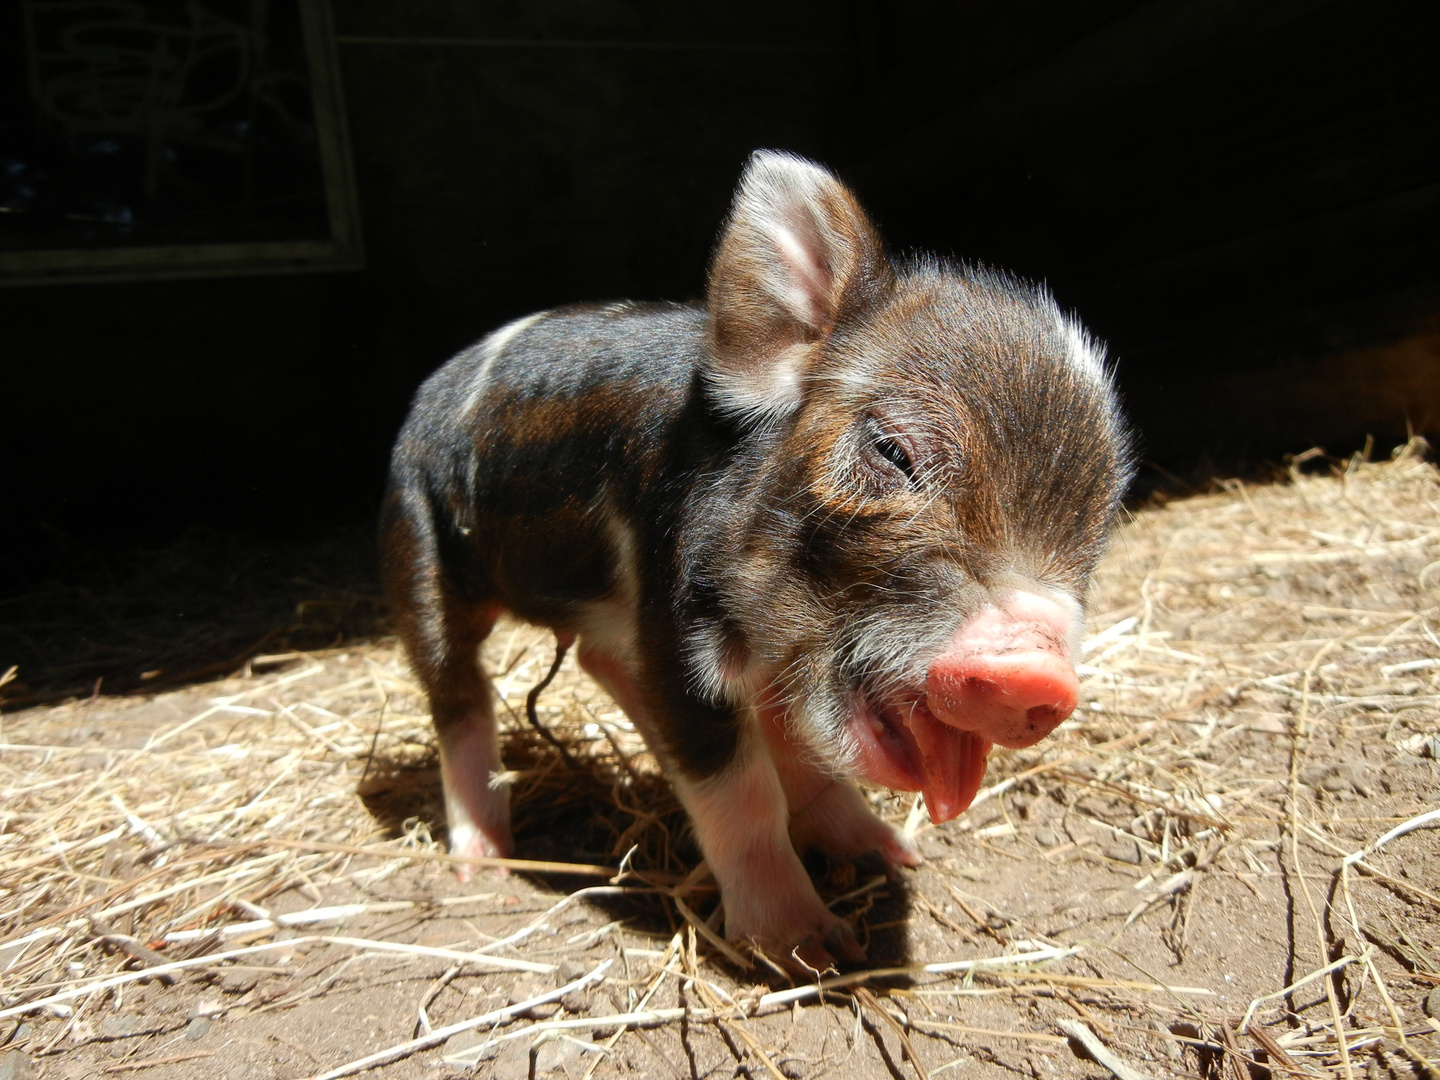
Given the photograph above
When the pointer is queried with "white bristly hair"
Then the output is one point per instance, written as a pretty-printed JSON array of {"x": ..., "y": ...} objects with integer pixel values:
[{"x": 491, "y": 349}]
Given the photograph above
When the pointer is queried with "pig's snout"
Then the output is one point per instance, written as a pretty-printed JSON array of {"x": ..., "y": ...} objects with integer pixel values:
[{"x": 1007, "y": 675}]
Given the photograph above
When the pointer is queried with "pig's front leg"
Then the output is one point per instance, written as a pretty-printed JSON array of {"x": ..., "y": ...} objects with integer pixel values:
[
  {"x": 840, "y": 823},
  {"x": 742, "y": 821},
  {"x": 827, "y": 813}
]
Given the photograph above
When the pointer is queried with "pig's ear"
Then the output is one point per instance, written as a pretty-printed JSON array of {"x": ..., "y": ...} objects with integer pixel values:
[{"x": 796, "y": 253}]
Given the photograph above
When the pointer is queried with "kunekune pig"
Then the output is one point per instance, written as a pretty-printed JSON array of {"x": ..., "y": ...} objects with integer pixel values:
[{"x": 837, "y": 522}]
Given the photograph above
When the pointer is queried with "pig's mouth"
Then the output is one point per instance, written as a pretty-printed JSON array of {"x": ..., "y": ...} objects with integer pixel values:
[{"x": 902, "y": 745}]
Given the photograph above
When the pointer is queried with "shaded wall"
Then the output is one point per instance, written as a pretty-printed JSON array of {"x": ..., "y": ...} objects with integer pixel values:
[{"x": 508, "y": 157}]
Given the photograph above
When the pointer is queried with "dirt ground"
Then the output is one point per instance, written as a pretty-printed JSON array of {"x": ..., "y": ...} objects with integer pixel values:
[{"x": 244, "y": 878}]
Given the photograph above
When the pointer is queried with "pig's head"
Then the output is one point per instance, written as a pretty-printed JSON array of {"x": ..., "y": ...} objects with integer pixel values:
[{"x": 931, "y": 462}]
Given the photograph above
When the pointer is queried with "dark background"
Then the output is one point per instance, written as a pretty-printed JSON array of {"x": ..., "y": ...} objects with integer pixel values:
[{"x": 1241, "y": 197}]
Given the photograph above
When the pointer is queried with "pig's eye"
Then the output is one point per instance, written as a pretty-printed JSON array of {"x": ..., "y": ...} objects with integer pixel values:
[
  {"x": 894, "y": 453},
  {"x": 887, "y": 455}
]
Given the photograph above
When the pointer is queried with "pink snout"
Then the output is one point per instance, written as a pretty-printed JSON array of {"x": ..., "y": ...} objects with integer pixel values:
[{"x": 1007, "y": 675}]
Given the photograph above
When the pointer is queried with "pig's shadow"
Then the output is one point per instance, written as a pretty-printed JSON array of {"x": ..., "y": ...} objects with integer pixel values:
[{"x": 592, "y": 811}]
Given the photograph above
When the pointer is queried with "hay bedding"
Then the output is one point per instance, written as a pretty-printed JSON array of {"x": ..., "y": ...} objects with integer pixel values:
[{"x": 240, "y": 879}]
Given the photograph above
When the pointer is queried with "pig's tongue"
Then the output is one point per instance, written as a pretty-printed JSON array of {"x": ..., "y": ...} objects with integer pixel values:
[
  {"x": 943, "y": 762},
  {"x": 951, "y": 764}
]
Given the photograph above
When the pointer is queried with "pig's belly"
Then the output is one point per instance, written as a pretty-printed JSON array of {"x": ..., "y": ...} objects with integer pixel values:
[{"x": 586, "y": 587}]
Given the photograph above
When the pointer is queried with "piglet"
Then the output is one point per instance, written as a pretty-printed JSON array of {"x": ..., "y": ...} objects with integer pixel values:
[{"x": 836, "y": 523}]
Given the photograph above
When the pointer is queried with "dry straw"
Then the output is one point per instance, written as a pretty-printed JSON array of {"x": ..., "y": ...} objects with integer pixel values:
[{"x": 286, "y": 812}]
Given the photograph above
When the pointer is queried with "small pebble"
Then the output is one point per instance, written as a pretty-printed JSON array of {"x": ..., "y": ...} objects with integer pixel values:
[
  {"x": 198, "y": 1028},
  {"x": 1122, "y": 850},
  {"x": 117, "y": 1027},
  {"x": 1312, "y": 775},
  {"x": 1431, "y": 1004},
  {"x": 532, "y": 986},
  {"x": 1168, "y": 1043},
  {"x": 238, "y": 982},
  {"x": 512, "y": 1062},
  {"x": 1421, "y": 746},
  {"x": 1337, "y": 778},
  {"x": 463, "y": 1049},
  {"x": 553, "y": 1056},
  {"x": 1046, "y": 837},
  {"x": 524, "y": 988},
  {"x": 568, "y": 970},
  {"x": 578, "y": 1001},
  {"x": 16, "y": 1065}
]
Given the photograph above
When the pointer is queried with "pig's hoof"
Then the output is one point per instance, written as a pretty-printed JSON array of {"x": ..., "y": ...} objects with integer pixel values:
[
  {"x": 806, "y": 948},
  {"x": 899, "y": 850},
  {"x": 816, "y": 953},
  {"x": 470, "y": 842},
  {"x": 836, "y": 944},
  {"x": 841, "y": 824}
]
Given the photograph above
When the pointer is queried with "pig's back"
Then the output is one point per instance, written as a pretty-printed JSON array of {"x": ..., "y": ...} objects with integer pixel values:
[{"x": 527, "y": 449}]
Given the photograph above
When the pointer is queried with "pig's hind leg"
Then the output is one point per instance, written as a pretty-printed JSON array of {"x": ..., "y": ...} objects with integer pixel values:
[
  {"x": 442, "y": 633},
  {"x": 477, "y": 809}
]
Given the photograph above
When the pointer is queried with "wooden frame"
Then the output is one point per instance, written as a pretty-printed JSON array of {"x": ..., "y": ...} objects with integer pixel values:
[{"x": 334, "y": 223}]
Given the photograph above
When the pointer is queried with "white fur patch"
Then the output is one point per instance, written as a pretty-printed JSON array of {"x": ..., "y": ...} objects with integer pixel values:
[
  {"x": 1081, "y": 350},
  {"x": 705, "y": 649},
  {"x": 608, "y": 625},
  {"x": 491, "y": 349},
  {"x": 762, "y": 393},
  {"x": 477, "y": 809},
  {"x": 711, "y": 671}
]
